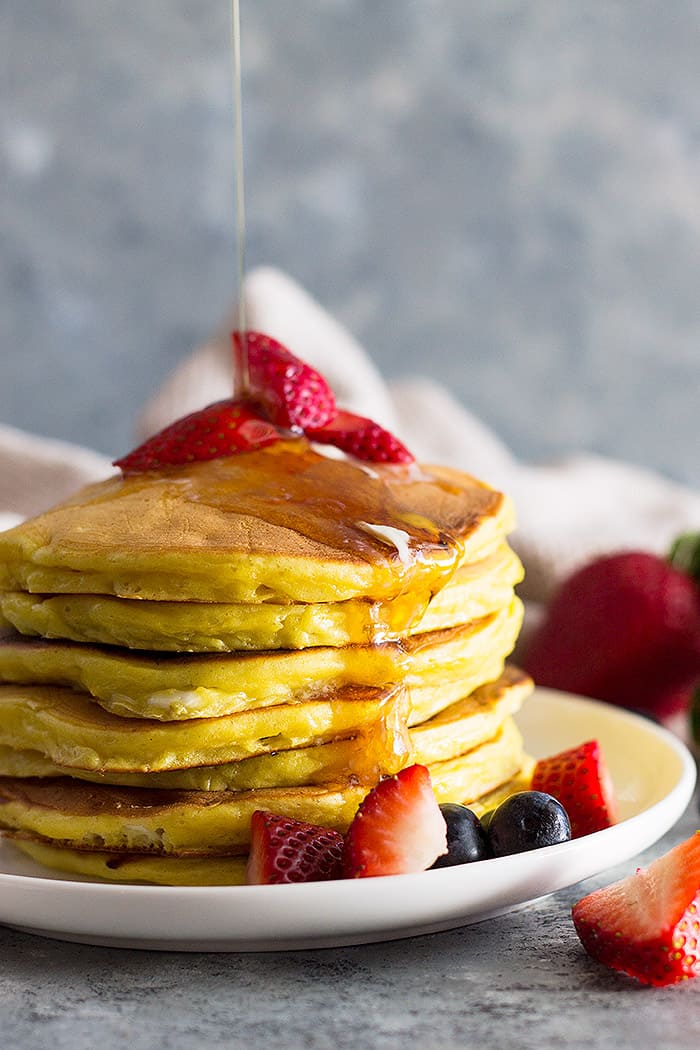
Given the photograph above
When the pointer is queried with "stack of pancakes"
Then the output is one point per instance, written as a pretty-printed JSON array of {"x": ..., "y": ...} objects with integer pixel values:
[{"x": 272, "y": 630}]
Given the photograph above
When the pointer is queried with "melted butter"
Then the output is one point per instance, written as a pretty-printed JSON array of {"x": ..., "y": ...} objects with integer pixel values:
[{"x": 396, "y": 538}]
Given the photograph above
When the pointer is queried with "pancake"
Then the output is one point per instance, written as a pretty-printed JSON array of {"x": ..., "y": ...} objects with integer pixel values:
[
  {"x": 521, "y": 781},
  {"x": 460, "y": 728},
  {"x": 300, "y": 766},
  {"x": 481, "y": 770},
  {"x": 283, "y": 523},
  {"x": 468, "y": 722},
  {"x": 71, "y": 813},
  {"x": 72, "y": 731},
  {"x": 190, "y": 823},
  {"x": 443, "y": 666},
  {"x": 439, "y": 666},
  {"x": 136, "y": 867},
  {"x": 475, "y": 591}
]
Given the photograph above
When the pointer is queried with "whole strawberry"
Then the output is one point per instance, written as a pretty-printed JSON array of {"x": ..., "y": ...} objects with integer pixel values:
[
  {"x": 647, "y": 925},
  {"x": 624, "y": 628}
]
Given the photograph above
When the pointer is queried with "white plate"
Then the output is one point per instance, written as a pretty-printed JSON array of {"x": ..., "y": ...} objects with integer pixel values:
[{"x": 654, "y": 778}]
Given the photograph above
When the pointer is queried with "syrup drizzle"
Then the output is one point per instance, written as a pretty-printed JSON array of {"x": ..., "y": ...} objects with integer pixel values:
[
  {"x": 240, "y": 355},
  {"x": 417, "y": 525}
]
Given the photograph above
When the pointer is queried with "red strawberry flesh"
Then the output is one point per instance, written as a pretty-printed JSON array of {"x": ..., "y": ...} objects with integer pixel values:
[
  {"x": 579, "y": 779},
  {"x": 286, "y": 850},
  {"x": 294, "y": 394},
  {"x": 222, "y": 429},
  {"x": 626, "y": 629},
  {"x": 397, "y": 829},
  {"x": 362, "y": 438},
  {"x": 648, "y": 925}
]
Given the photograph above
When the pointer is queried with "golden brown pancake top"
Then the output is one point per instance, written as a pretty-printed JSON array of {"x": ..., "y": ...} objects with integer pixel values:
[{"x": 286, "y": 503}]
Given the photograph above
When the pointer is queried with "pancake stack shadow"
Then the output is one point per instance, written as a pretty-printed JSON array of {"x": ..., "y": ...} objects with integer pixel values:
[{"x": 275, "y": 630}]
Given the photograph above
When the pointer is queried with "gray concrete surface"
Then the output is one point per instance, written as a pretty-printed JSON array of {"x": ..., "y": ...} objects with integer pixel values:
[{"x": 503, "y": 194}]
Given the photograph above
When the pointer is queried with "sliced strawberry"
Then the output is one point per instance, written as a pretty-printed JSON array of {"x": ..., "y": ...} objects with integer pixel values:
[
  {"x": 648, "y": 925},
  {"x": 362, "y": 438},
  {"x": 221, "y": 429},
  {"x": 397, "y": 829},
  {"x": 286, "y": 850},
  {"x": 579, "y": 779},
  {"x": 293, "y": 393}
]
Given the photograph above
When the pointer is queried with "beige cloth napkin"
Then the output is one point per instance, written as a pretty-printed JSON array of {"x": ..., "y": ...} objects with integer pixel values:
[{"x": 568, "y": 510}]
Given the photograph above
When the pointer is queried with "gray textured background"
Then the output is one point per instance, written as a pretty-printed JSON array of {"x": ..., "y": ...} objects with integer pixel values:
[{"x": 503, "y": 193}]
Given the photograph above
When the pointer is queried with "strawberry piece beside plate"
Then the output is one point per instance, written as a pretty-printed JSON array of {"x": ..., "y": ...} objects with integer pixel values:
[{"x": 648, "y": 925}]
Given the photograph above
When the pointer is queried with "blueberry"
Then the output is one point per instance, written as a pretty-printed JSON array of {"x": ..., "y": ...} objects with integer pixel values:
[
  {"x": 466, "y": 840},
  {"x": 527, "y": 820}
]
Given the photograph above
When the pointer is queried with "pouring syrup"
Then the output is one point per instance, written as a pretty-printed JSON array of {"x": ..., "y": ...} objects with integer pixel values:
[{"x": 240, "y": 362}]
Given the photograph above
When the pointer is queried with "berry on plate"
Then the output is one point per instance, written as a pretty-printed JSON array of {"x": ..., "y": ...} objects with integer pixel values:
[
  {"x": 579, "y": 779},
  {"x": 466, "y": 838},
  {"x": 397, "y": 829},
  {"x": 527, "y": 820},
  {"x": 648, "y": 925},
  {"x": 294, "y": 394},
  {"x": 286, "y": 850},
  {"x": 362, "y": 438},
  {"x": 222, "y": 429},
  {"x": 625, "y": 628}
]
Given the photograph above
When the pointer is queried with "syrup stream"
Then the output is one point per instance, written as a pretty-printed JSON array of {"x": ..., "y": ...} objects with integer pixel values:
[{"x": 241, "y": 374}]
